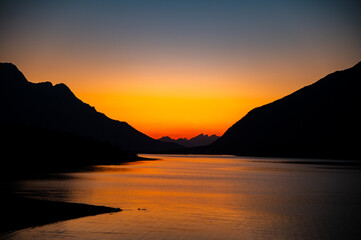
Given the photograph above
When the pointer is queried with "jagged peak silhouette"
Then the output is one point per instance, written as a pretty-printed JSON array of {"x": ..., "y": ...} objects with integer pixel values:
[{"x": 56, "y": 107}]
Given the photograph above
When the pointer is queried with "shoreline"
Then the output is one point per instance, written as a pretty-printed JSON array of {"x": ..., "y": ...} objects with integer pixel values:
[{"x": 19, "y": 212}]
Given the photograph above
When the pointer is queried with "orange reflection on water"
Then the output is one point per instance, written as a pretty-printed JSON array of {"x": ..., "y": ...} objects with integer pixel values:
[{"x": 202, "y": 197}]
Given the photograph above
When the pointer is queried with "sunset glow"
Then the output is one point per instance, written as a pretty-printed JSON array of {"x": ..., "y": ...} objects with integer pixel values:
[{"x": 179, "y": 69}]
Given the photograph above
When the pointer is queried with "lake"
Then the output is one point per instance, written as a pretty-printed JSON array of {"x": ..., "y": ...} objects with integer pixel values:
[{"x": 206, "y": 197}]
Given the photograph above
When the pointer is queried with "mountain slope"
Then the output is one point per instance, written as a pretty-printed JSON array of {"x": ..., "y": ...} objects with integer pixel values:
[
  {"x": 322, "y": 120},
  {"x": 56, "y": 107},
  {"x": 196, "y": 141},
  {"x": 29, "y": 151}
]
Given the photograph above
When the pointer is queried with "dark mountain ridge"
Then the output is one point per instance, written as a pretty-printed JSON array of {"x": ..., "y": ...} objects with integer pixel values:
[
  {"x": 322, "y": 120},
  {"x": 196, "y": 141},
  {"x": 56, "y": 107},
  {"x": 28, "y": 151}
]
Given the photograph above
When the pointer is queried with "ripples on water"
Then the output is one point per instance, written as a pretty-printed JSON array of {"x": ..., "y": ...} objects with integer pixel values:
[{"x": 205, "y": 197}]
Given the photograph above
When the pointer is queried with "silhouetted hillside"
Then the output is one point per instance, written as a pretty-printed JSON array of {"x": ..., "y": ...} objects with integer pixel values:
[
  {"x": 56, "y": 107},
  {"x": 29, "y": 150},
  {"x": 199, "y": 140},
  {"x": 322, "y": 120}
]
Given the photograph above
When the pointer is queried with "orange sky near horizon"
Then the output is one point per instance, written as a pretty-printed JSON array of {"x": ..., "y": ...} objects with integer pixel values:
[
  {"x": 157, "y": 106},
  {"x": 180, "y": 68}
]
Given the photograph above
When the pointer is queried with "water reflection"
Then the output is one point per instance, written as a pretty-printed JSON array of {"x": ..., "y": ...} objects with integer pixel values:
[{"x": 205, "y": 197}]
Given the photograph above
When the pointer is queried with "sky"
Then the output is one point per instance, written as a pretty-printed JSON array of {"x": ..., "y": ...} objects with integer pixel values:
[{"x": 180, "y": 68}]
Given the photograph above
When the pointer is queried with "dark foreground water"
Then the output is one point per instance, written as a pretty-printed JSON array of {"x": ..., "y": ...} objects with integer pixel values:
[{"x": 206, "y": 197}]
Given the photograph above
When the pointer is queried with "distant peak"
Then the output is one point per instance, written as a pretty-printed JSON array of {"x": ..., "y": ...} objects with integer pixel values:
[
  {"x": 45, "y": 84},
  {"x": 10, "y": 74},
  {"x": 214, "y": 136},
  {"x": 199, "y": 140},
  {"x": 185, "y": 139},
  {"x": 9, "y": 66},
  {"x": 63, "y": 87},
  {"x": 165, "y": 138}
]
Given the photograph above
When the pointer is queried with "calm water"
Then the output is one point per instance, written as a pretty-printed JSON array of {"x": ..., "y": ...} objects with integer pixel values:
[{"x": 206, "y": 197}]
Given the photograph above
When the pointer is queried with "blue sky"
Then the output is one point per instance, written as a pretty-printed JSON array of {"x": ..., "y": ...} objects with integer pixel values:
[{"x": 239, "y": 53}]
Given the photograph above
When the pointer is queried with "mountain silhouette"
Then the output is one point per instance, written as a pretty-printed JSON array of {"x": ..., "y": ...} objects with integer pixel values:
[
  {"x": 322, "y": 120},
  {"x": 30, "y": 151},
  {"x": 196, "y": 141},
  {"x": 55, "y": 107}
]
